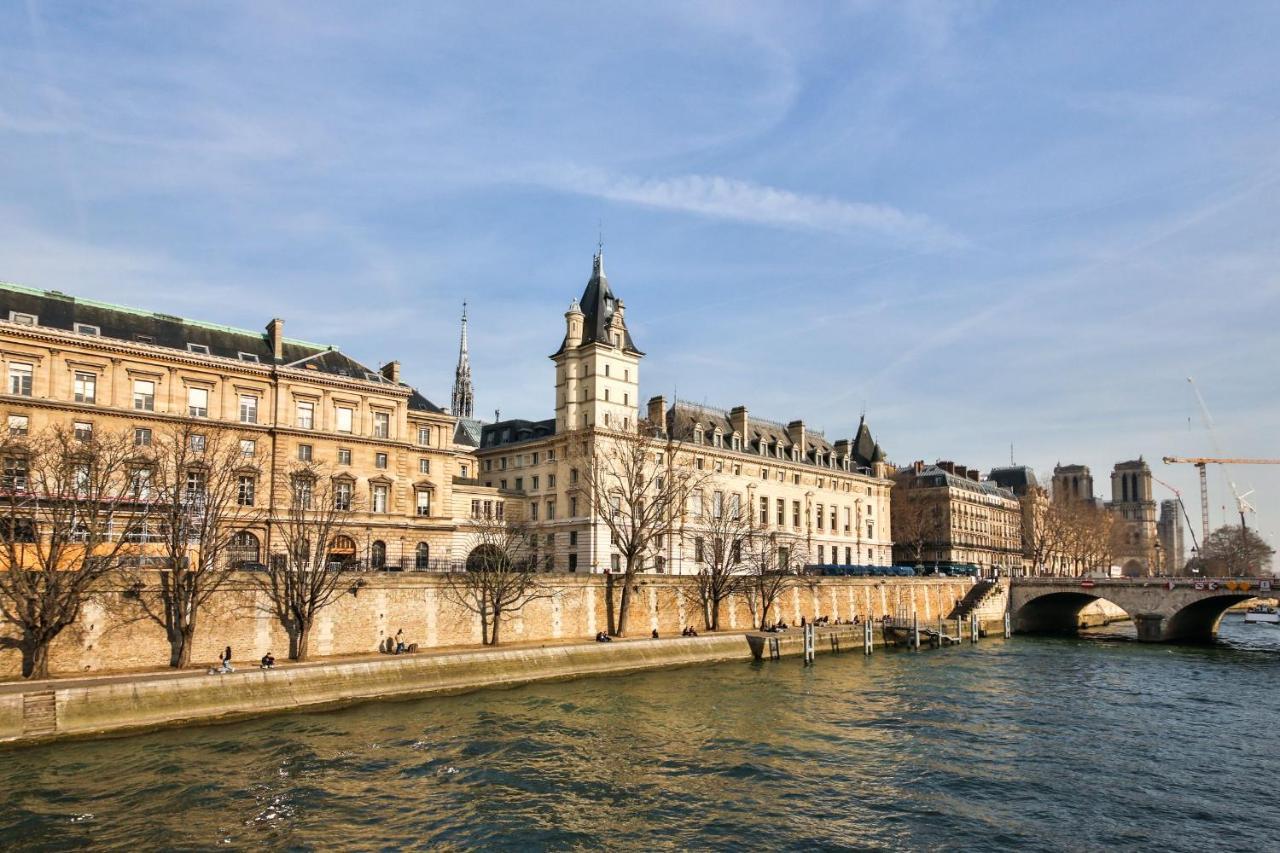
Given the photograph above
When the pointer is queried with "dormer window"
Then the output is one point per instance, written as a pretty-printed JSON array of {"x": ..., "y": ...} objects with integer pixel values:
[
  {"x": 23, "y": 319},
  {"x": 198, "y": 349},
  {"x": 719, "y": 438},
  {"x": 248, "y": 356},
  {"x": 86, "y": 329},
  {"x": 143, "y": 339},
  {"x": 697, "y": 435}
]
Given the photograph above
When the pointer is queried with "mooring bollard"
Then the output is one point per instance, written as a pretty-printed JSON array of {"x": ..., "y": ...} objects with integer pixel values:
[
  {"x": 866, "y": 637},
  {"x": 808, "y": 644},
  {"x": 915, "y": 631},
  {"x": 973, "y": 628}
]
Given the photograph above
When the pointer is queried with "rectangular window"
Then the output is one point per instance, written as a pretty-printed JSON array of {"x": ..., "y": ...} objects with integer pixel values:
[
  {"x": 18, "y": 424},
  {"x": 573, "y": 539},
  {"x": 551, "y": 481},
  {"x": 424, "y": 435},
  {"x": 381, "y": 425},
  {"x": 20, "y": 379},
  {"x": 764, "y": 511},
  {"x": 342, "y": 495},
  {"x": 306, "y": 416},
  {"x": 848, "y": 556},
  {"x": 782, "y": 512},
  {"x": 475, "y": 509},
  {"x": 573, "y": 507},
  {"x": 717, "y": 504},
  {"x": 244, "y": 491},
  {"x": 248, "y": 356},
  {"x": 15, "y": 473},
  {"x": 822, "y": 551},
  {"x": 343, "y": 419},
  {"x": 533, "y": 511},
  {"x": 86, "y": 329},
  {"x": 379, "y": 498},
  {"x": 304, "y": 453},
  {"x": 344, "y": 456},
  {"x": 198, "y": 402},
  {"x": 699, "y": 550},
  {"x": 140, "y": 483},
  {"x": 144, "y": 395},
  {"x": 424, "y": 502},
  {"x": 86, "y": 387},
  {"x": 535, "y": 483},
  {"x": 551, "y": 510},
  {"x": 248, "y": 447},
  {"x": 23, "y": 319},
  {"x": 83, "y": 431},
  {"x": 519, "y": 484},
  {"x": 199, "y": 349},
  {"x": 822, "y": 516},
  {"x": 302, "y": 490},
  {"x": 573, "y": 562},
  {"x": 795, "y": 513},
  {"x": 424, "y": 466},
  {"x": 248, "y": 409},
  {"x": 380, "y": 460}
]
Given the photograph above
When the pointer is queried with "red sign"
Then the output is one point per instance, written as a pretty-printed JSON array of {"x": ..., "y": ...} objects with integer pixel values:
[{"x": 1087, "y": 584}]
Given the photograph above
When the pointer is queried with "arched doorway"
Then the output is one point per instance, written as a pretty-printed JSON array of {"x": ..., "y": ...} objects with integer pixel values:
[
  {"x": 245, "y": 549},
  {"x": 342, "y": 550},
  {"x": 378, "y": 554},
  {"x": 422, "y": 556}
]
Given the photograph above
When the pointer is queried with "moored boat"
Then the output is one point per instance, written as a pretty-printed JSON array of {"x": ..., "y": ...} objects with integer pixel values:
[{"x": 1262, "y": 614}]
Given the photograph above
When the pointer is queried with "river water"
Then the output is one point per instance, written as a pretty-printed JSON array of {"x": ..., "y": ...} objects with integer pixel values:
[{"x": 1022, "y": 744}]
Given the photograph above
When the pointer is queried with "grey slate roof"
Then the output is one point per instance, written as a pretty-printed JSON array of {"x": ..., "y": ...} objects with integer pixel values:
[
  {"x": 1017, "y": 478},
  {"x": 597, "y": 305},
  {"x": 468, "y": 432},
  {"x": 513, "y": 431},
  {"x": 934, "y": 476},
  {"x": 55, "y": 310},
  {"x": 682, "y": 418}
]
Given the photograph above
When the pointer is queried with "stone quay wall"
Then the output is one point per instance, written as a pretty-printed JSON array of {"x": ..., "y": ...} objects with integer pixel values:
[{"x": 111, "y": 636}]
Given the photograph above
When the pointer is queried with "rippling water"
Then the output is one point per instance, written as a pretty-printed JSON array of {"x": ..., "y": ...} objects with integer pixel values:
[{"x": 1027, "y": 744}]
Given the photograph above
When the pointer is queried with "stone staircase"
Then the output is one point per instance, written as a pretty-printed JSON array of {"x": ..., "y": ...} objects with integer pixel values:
[
  {"x": 981, "y": 595},
  {"x": 39, "y": 713}
]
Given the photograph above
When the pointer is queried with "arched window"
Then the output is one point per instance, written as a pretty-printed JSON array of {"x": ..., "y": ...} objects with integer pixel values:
[
  {"x": 342, "y": 550},
  {"x": 378, "y": 554},
  {"x": 244, "y": 549},
  {"x": 421, "y": 556}
]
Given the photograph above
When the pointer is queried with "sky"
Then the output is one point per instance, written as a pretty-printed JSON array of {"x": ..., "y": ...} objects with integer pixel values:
[{"x": 1001, "y": 230}]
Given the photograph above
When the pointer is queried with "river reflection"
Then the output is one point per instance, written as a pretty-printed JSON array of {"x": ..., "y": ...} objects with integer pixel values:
[{"x": 1028, "y": 744}]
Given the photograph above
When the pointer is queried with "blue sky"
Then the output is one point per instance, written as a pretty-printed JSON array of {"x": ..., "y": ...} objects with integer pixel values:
[{"x": 985, "y": 223}]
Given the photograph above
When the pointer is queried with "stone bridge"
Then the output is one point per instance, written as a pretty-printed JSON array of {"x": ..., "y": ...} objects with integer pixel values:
[{"x": 1163, "y": 609}]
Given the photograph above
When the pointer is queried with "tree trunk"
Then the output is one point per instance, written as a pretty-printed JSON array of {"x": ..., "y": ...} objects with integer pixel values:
[
  {"x": 35, "y": 660},
  {"x": 624, "y": 604},
  {"x": 608, "y": 605},
  {"x": 493, "y": 628},
  {"x": 299, "y": 640},
  {"x": 715, "y": 616}
]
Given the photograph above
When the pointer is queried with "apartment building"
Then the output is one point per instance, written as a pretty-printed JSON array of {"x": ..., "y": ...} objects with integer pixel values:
[
  {"x": 964, "y": 519},
  {"x": 392, "y": 453}
]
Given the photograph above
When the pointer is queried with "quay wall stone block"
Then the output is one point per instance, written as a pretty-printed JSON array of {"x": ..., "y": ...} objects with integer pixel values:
[{"x": 110, "y": 637}]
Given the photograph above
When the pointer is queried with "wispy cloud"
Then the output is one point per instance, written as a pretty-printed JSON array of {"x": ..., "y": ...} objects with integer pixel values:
[{"x": 736, "y": 200}]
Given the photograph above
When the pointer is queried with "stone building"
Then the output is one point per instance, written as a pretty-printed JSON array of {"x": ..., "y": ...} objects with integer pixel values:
[
  {"x": 1169, "y": 528},
  {"x": 1073, "y": 483},
  {"x": 832, "y": 496},
  {"x": 1135, "y": 550},
  {"x": 94, "y": 366},
  {"x": 966, "y": 520}
]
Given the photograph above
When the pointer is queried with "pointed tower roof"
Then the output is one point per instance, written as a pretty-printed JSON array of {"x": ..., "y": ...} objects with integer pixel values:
[
  {"x": 598, "y": 305},
  {"x": 463, "y": 393}
]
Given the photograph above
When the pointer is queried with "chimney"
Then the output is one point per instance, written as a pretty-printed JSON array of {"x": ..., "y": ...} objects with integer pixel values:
[
  {"x": 275, "y": 334},
  {"x": 795, "y": 432},
  {"x": 947, "y": 465},
  {"x": 658, "y": 413},
  {"x": 738, "y": 420},
  {"x": 391, "y": 370},
  {"x": 918, "y": 466},
  {"x": 961, "y": 471},
  {"x": 973, "y": 475}
]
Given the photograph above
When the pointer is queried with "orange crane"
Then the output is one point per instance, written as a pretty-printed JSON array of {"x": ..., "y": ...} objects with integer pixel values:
[{"x": 1200, "y": 462}]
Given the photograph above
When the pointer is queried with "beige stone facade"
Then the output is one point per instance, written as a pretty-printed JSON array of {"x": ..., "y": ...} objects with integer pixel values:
[
  {"x": 831, "y": 497},
  {"x": 969, "y": 520},
  {"x": 104, "y": 368}
]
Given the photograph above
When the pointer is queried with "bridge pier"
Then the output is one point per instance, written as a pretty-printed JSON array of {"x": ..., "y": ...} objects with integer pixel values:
[{"x": 1150, "y": 627}]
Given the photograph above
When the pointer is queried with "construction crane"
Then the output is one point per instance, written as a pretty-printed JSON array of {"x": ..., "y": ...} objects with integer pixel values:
[
  {"x": 1200, "y": 462},
  {"x": 1191, "y": 528}
]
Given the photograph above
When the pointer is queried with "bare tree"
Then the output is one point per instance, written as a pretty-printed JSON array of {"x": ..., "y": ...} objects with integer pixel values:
[
  {"x": 916, "y": 523},
  {"x": 773, "y": 566},
  {"x": 1043, "y": 529},
  {"x": 638, "y": 488},
  {"x": 66, "y": 522},
  {"x": 722, "y": 538},
  {"x": 301, "y": 578},
  {"x": 1232, "y": 551},
  {"x": 501, "y": 575},
  {"x": 202, "y": 486}
]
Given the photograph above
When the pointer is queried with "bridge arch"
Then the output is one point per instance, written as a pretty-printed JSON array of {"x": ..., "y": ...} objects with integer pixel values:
[
  {"x": 1199, "y": 620},
  {"x": 1056, "y": 612}
]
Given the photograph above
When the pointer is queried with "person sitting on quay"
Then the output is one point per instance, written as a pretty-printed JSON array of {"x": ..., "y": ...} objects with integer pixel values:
[
  {"x": 268, "y": 661},
  {"x": 602, "y": 637},
  {"x": 655, "y": 633},
  {"x": 224, "y": 663}
]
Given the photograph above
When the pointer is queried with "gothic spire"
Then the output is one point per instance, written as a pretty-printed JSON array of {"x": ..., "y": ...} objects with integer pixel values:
[{"x": 463, "y": 394}]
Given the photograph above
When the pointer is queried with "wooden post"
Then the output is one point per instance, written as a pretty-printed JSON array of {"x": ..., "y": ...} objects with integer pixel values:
[
  {"x": 973, "y": 628},
  {"x": 915, "y": 631},
  {"x": 1008, "y": 625},
  {"x": 808, "y": 643},
  {"x": 867, "y": 640}
]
